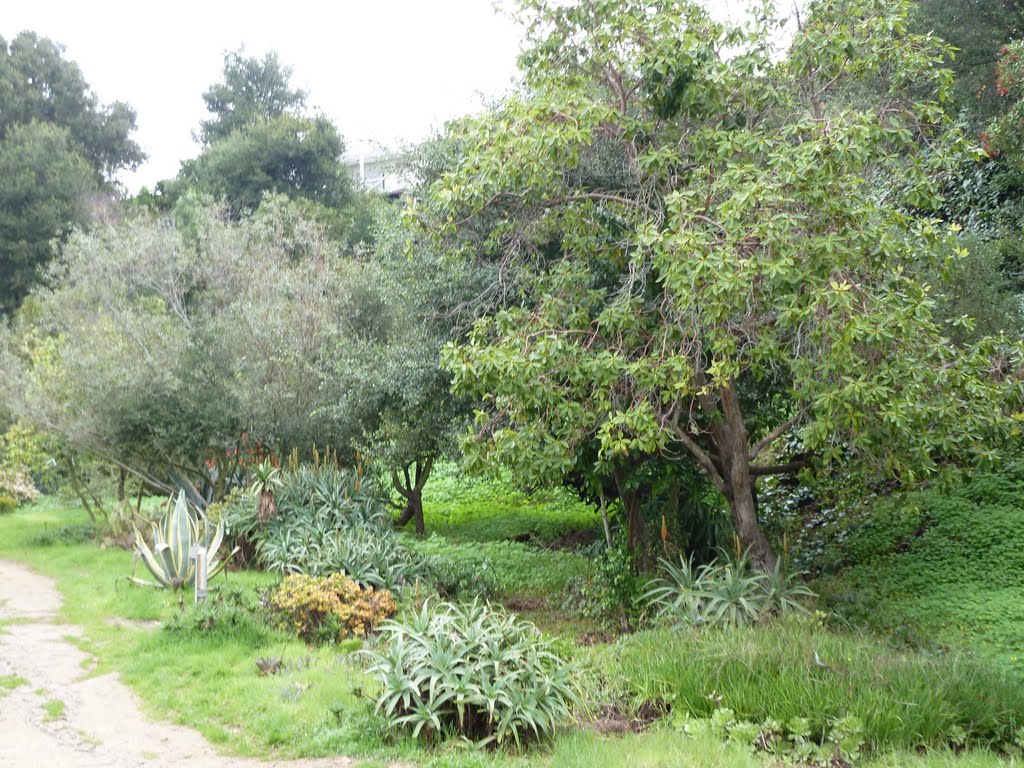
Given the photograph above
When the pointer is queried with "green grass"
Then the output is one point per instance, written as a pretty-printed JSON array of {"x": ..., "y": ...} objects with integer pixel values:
[
  {"x": 10, "y": 682},
  {"x": 519, "y": 569},
  {"x": 475, "y": 509},
  {"x": 904, "y": 699},
  {"x": 314, "y": 707}
]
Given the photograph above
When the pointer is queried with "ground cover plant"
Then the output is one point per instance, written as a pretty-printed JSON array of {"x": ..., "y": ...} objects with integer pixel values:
[
  {"x": 471, "y": 508},
  {"x": 944, "y": 565},
  {"x": 329, "y": 608}
]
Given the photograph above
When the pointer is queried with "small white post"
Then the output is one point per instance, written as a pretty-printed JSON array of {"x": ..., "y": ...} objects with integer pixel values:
[{"x": 200, "y": 574}]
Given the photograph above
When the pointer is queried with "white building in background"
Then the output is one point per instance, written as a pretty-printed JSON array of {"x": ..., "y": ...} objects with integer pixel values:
[{"x": 374, "y": 171}]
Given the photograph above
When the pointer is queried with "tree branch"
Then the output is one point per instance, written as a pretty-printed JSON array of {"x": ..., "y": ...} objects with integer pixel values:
[{"x": 772, "y": 436}]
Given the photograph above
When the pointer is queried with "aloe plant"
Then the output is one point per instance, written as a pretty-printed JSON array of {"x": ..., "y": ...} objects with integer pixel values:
[{"x": 175, "y": 536}]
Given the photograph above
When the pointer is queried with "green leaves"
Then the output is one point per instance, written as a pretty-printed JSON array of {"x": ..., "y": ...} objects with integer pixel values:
[
  {"x": 471, "y": 671},
  {"x": 169, "y": 559}
]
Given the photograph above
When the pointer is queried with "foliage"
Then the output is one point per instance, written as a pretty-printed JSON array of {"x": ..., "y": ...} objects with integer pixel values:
[
  {"x": 68, "y": 534},
  {"x": 252, "y": 91},
  {"x": 7, "y": 504},
  {"x": 797, "y": 669},
  {"x": 41, "y": 86},
  {"x": 206, "y": 340},
  {"x": 174, "y": 539},
  {"x": 329, "y": 521},
  {"x": 473, "y": 672},
  {"x": 517, "y": 568},
  {"x": 841, "y": 740},
  {"x": 44, "y": 196},
  {"x": 612, "y": 589},
  {"x": 328, "y": 608},
  {"x": 18, "y": 485},
  {"x": 288, "y": 155},
  {"x": 941, "y": 565},
  {"x": 23, "y": 448},
  {"x": 725, "y": 593},
  {"x": 703, "y": 262}
]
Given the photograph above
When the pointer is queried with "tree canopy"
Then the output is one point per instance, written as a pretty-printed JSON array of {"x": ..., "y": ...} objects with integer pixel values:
[
  {"x": 710, "y": 259},
  {"x": 253, "y": 91}
]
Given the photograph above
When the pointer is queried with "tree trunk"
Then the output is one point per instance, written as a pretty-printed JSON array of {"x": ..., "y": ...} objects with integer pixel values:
[
  {"x": 412, "y": 491},
  {"x": 413, "y": 511},
  {"x": 636, "y": 532},
  {"x": 734, "y": 455}
]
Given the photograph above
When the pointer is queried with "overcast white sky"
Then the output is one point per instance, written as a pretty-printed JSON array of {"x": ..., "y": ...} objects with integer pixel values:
[{"x": 383, "y": 71}]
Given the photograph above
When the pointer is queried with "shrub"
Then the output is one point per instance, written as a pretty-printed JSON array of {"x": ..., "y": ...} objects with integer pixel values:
[
  {"x": 7, "y": 504},
  {"x": 454, "y": 577},
  {"x": 473, "y": 672},
  {"x": 68, "y": 534},
  {"x": 327, "y": 521},
  {"x": 329, "y": 608},
  {"x": 796, "y": 669},
  {"x": 18, "y": 485},
  {"x": 723, "y": 594}
]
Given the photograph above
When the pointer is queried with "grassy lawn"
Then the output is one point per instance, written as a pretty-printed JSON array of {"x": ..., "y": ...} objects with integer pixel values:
[{"x": 317, "y": 705}]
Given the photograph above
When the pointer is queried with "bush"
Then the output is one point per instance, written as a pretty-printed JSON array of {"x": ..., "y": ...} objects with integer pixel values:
[
  {"x": 328, "y": 609},
  {"x": 473, "y": 672},
  {"x": 454, "y": 578},
  {"x": 795, "y": 669},
  {"x": 723, "y": 594},
  {"x": 67, "y": 534},
  {"x": 17, "y": 485},
  {"x": 7, "y": 504},
  {"x": 326, "y": 522}
]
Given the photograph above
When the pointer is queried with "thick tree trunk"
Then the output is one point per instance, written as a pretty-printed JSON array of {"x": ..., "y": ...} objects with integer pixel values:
[
  {"x": 412, "y": 491},
  {"x": 734, "y": 458}
]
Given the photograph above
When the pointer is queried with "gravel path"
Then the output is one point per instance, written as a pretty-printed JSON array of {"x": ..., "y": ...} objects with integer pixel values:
[{"x": 101, "y": 725}]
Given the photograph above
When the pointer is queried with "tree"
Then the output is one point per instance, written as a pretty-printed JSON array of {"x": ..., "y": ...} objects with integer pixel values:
[
  {"x": 253, "y": 91},
  {"x": 45, "y": 193},
  {"x": 711, "y": 265},
  {"x": 386, "y": 387},
  {"x": 294, "y": 156},
  {"x": 163, "y": 345},
  {"x": 38, "y": 85},
  {"x": 58, "y": 145}
]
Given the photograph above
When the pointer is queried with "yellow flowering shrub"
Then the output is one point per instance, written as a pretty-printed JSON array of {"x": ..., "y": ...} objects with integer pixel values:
[{"x": 328, "y": 608}]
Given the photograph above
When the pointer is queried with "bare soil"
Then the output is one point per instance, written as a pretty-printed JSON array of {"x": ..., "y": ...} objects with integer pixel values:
[{"x": 101, "y": 724}]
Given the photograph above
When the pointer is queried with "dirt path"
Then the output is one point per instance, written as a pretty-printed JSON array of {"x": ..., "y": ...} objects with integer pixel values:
[{"x": 101, "y": 724}]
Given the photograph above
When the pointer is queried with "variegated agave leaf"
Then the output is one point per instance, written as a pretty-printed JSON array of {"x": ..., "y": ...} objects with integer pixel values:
[{"x": 173, "y": 539}]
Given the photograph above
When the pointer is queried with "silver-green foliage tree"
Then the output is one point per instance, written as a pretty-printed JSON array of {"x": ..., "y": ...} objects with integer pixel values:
[
  {"x": 161, "y": 342},
  {"x": 711, "y": 262}
]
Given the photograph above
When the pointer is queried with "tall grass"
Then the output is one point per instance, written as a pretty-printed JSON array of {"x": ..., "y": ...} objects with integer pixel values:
[{"x": 796, "y": 669}]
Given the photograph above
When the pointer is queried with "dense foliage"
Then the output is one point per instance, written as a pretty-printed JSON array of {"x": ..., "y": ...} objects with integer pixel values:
[
  {"x": 328, "y": 608},
  {"x": 471, "y": 671}
]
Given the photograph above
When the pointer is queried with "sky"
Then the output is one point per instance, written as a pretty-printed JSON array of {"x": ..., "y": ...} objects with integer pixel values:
[{"x": 386, "y": 73}]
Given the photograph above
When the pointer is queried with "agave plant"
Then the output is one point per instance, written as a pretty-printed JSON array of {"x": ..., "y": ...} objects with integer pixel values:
[{"x": 173, "y": 539}]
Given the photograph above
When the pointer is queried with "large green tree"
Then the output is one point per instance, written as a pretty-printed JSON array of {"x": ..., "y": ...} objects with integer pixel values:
[
  {"x": 253, "y": 91},
  {"x": 710, "y": 263},
  {"x": 58, "y": 147},
  {"x": 45, "y": 193}
]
